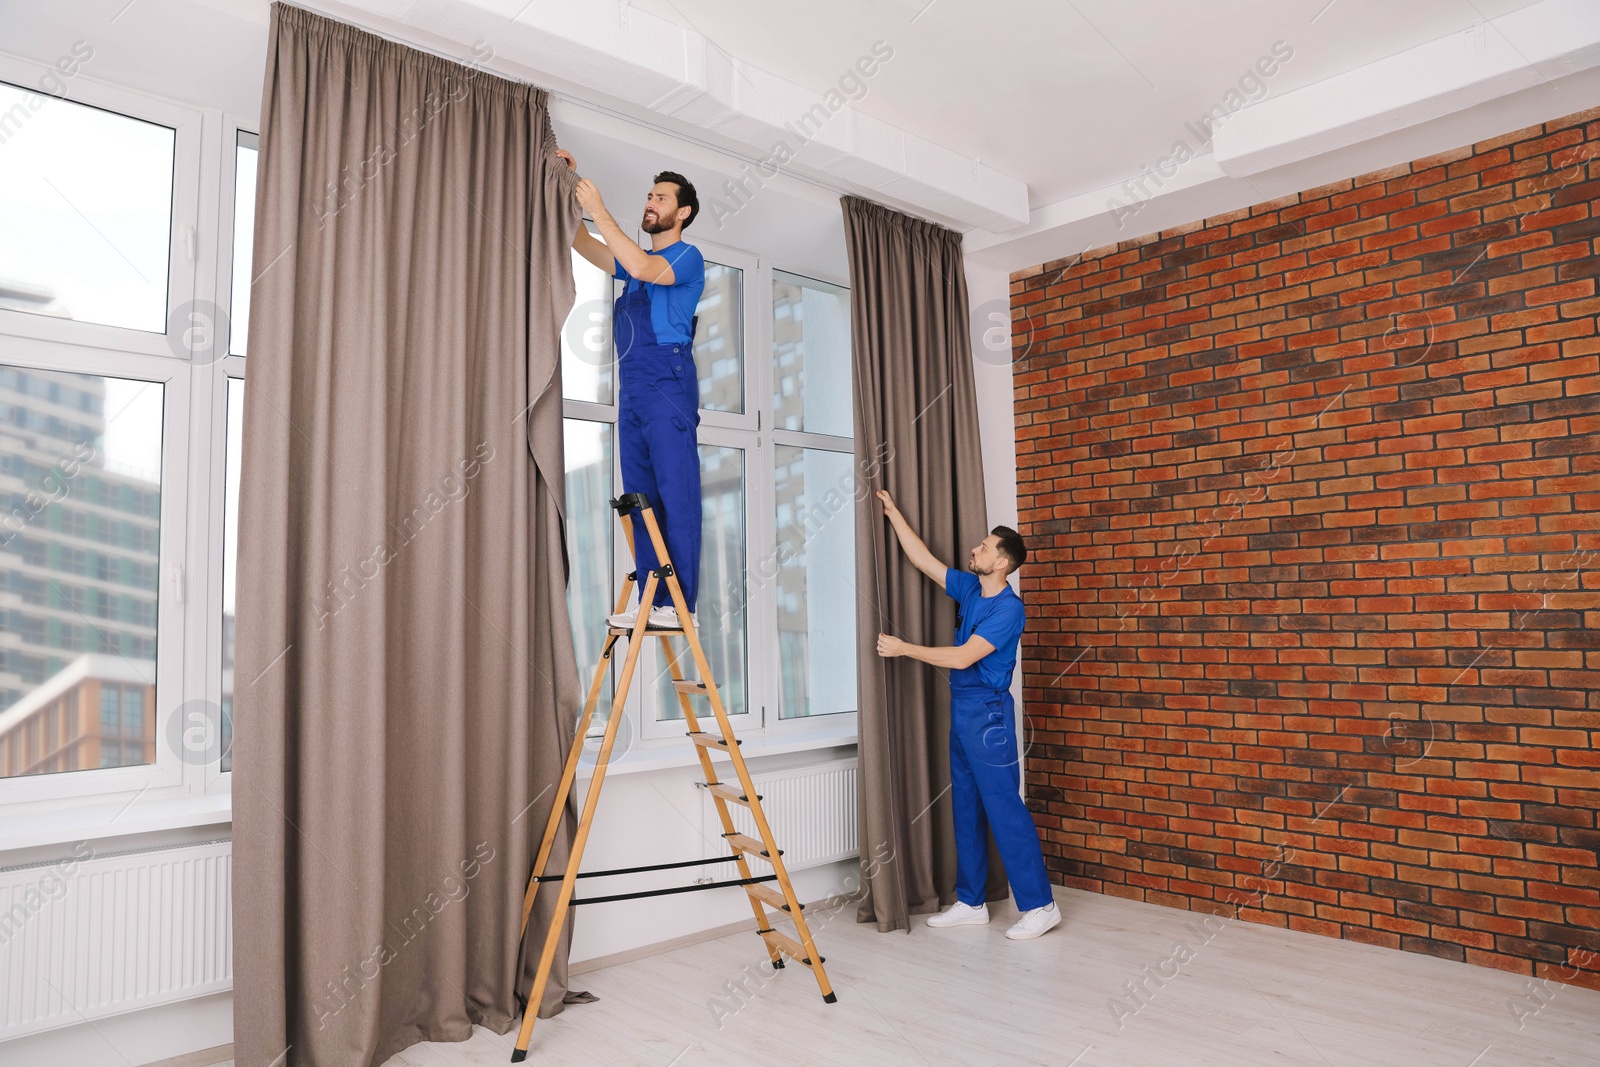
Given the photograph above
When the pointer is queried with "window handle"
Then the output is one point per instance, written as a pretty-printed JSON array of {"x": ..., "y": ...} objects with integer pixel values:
[{"x": 177, "y": 582}]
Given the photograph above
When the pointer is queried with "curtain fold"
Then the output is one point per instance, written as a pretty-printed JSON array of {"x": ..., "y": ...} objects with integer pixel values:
[
  {"x": 915, "y": 415},
  {"x": 406, "y": 686}
]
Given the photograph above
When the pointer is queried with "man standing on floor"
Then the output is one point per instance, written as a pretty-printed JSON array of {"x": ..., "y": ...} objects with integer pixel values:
[
  {"x": 658, "y": 402},
  {"x": 985, "y": 769}
]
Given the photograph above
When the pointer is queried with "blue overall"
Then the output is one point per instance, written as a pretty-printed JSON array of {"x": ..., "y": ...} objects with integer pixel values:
[
  {"x": 658, "y": 413},
  {"x": 985, "y": 765}
]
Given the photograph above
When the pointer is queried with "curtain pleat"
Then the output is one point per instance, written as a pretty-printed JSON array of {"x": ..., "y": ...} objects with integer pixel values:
[{"x": 405, "y": 684}]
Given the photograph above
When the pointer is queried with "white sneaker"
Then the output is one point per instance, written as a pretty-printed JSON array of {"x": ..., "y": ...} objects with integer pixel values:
[
  {"x": 1035, "y": 923},
  {"x": 624, "y": 620},
  {"x": 959, "y": 914},
  {"x": 666, "y": 618}
]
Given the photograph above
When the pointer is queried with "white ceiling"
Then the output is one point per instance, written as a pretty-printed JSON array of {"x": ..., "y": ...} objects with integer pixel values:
[
  {"x": 202, "y": 54},
  {"x": 1065, "y": 95},
  {"x": 1014, "y": 121}
]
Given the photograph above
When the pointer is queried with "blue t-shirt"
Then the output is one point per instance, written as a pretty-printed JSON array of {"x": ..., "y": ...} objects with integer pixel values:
[
  {"x": 997, "y": 619},
  {"x": 672, "y": 306}
]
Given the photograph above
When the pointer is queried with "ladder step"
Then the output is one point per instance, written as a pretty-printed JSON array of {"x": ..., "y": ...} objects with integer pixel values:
[
  {"x": 786, "y": 945},
  {"x": 729, "y": 792},
  {"x": 747, "y": 844},
  {"x": 687, "y": 686},
  {"x": 705, "y": 740},
  {"x": 650, "y": 631},
  {"x": 769, "y": 896}
]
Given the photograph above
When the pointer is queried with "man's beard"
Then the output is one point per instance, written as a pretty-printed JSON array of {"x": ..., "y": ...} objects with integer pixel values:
[
  {"x": 660, "y": 225},
  {"x": 972, "y": 565}
]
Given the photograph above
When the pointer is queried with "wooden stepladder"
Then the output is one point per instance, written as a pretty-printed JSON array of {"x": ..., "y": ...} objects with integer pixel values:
[{"x": 782, "y": 899}]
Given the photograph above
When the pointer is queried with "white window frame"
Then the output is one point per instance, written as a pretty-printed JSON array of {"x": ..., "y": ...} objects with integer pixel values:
[
  {"x": 750, "y": 268},
  {"x": 215, "y": 446},
  {"x": 801, "y": 724},
  {"x": 168, "y": 770},
  {"x": 660, "y": 741},
  {"x": 46, "y": 809}
]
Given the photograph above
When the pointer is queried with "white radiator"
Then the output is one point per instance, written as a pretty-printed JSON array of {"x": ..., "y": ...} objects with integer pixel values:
[
  {"x": 812, "y": 812},
  {"x": 89, "y": 936}
]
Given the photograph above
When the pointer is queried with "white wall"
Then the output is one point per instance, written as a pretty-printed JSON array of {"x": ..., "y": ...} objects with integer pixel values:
[
  {"x": 989, "y": 300},
  {"x": 644, "y": 816},
  {"x": 649, "y": 817},
  {"x": 989, "y": 297}
]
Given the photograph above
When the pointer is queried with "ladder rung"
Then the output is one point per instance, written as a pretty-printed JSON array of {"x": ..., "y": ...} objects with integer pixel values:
[
  {"x": 769, "y": 896},
  {"x": 786, "y": 945},
  {"x": 747, "y": 844},
  {"x": 729, "y": 792},
  {"x": 689, "y": 686},
  {"x": 650, "y": 631},
  {"x": 705, "y": 740}
]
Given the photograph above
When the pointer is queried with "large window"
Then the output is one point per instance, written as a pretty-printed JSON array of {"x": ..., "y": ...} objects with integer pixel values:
[
  {"x": 113, "y": 443},
  {"x": 125, "y": 272},
  {"x": 776, "y": 609},
  {"x": 814, "y": 489}
]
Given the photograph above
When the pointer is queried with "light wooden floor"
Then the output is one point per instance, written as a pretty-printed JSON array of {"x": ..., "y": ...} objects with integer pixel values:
[{"x": 1250, "y": 995}]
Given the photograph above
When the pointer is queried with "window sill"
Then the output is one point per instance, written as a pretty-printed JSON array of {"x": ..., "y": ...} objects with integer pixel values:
[
  {"x": 667, "y": 753},
  {"x": 119, "y": 818},
  {"x": 112, "y": 819}
]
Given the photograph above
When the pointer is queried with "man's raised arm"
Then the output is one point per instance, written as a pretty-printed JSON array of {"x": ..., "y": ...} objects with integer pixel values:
[
  {"x": 595, "y": 251},
  {"x": 912, "y": 545}
]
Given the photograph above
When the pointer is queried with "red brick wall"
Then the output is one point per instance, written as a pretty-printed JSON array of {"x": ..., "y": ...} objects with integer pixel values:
[{"x": 1314, "y": 600}]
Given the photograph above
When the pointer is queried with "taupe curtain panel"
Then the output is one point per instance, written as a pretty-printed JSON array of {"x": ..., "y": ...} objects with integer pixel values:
[
  {"x": 916, "y": 419},
  {"x": 405, "y": 679}
]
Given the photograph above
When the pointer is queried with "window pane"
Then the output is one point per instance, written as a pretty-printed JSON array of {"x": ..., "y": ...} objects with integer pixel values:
[
  {"x": 133, "y": 713},
  {"x": 77, "y": 446},
  {"x": 244, "y": 234},
  {"x": 719, "y": 339},
  {"x": 86, "y": 196},
  {"x": 720, "y": 610},
  {"x": 811, "y": 384},
  {"x": 815, "y": 494},
  {"x": 587, "y": 357},
  {"x": 590, "y": 521},
  {"x": 110, "y": 711},
  {"x": 230, "y": 558}
]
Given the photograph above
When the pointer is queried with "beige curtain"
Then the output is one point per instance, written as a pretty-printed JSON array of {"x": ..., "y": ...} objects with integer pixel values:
[
  {"x": 916, "y": 416},
  {"x": 405, "y": 680}
]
